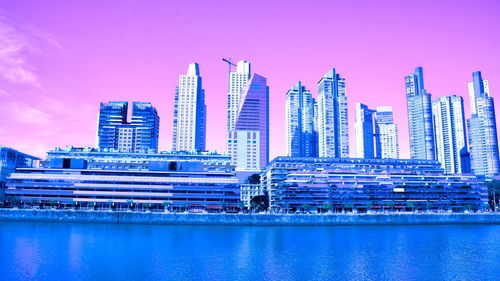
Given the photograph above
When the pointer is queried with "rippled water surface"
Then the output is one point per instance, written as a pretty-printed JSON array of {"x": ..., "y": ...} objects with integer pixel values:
[{"x": 50, "y": 251}]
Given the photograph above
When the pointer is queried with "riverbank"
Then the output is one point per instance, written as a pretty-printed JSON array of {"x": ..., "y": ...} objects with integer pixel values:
[{"x": 116, "y": 217}]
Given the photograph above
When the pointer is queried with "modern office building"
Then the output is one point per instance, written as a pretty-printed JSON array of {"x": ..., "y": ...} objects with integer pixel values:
[
  {"x": 190, "y": 112},
  {"x": 106, "y": 159},
  {"x": 115, "y": 132},
  {"x": 420, "y": 123},
  {"x": 333, "y": 131},
  {"x": 449, "y": 122},
  {"x": 364, "y": 131},
  {"x": 112, "y": 115},
  {"x": 376, "y": 134},
  {"x": 248, "y": 142},
  {"x": 349, "y": 184},
  {"x": 301, "y": 140},
  {"x": 237, "y": 81},
  {"x": 10, "y": 159},
  {"x": 175, "y": 185},
  {"x": 146, "y": 120},
  {"x": 482, "y": 127}
]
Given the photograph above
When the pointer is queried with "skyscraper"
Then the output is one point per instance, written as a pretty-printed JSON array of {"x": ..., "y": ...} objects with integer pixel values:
[
  {"x": 248, "y": 142},
  {"x": 420, "y": 123},
  {"x": 449, "y": 124},
  {"x": 376, "y": 133},
  {"x": 333, "y": 131},
  {"x": 364, "y": 131},
  {"x": 190, "y": 112},
  {"x": 483, "y": 139},
  {"x": 237, "y": 80},
  {"x": 115, "y": 132},
  {"x": 147, "y": 123},
  {"x": 111, "y": 115},
  {"x": 300, "y": 122},
  {"x": 386, "y": 132}
]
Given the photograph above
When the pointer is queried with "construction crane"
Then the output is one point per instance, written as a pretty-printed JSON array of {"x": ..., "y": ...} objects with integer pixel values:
[{"x": 230, "y": 65}]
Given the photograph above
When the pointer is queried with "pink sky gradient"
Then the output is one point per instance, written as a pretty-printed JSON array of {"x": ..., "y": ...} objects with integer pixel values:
[{"x": 59, "y": 59}]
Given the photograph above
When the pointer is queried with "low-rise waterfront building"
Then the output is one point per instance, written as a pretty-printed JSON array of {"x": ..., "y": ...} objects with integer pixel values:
[
  {"x": 248, "y": 191},
  {"x": 172, "y": 185},
  {"x": 363, "y": 184},
  {"x": 10, "y": 159}
]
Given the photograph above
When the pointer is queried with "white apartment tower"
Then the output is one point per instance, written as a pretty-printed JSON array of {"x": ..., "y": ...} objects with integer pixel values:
[
  {"x": 333, "y": 131},
  {"x": 190, "y": 112},
  {"x": 237, "y": 80},
  {"x": 449, "y": 127},
  {"x": 387, "y": 144}
]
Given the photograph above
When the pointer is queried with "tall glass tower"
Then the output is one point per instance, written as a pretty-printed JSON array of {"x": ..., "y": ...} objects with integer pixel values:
[
  {"x": 420, "y": 123},
  {"x": 449, "y": 124},
  {"x": 483, "y": 139},
  {"x": 333, "y": 131},
  {"x": 147, "y": 125},
  {"x": 364, "y": 131},
  {"x": 115, "y": 132},
  {"x": 301, "y": 140},
  {"x": 190, "y": 112},
  {"x": 248, "y": 142}
]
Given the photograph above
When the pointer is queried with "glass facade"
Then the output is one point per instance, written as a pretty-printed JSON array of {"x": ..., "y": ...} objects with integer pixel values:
[
  {"x": 115, "y": 132},
  {"x": 420, "y": 123},
  {"x": 248, "y": 143},
  {"x": 10, "y": 159},
  {"x": 375, "y": 132},
  {"x": 301, "y": 137},
  {"x": 482, "y": 127}
]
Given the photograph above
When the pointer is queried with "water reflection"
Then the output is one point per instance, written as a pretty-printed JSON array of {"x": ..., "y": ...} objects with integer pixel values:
[{"x": 137, "y": 252}]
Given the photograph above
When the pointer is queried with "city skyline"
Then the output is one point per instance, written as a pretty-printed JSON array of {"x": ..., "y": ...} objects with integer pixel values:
[{"x": 114, "y": 65}]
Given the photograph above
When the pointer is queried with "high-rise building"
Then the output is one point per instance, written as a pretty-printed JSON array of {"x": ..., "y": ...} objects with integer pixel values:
[
  {"x": 114, "y": 132},
  {"x": 386, "y": 132},
  {"x": 449, "y": 124},
  {"x": 376, "y": 133},
  {"x": 248, "y": 142},
  {"x": 483, "y": 139},
  {"x": 237, "y": 80},
  {"x": 300, "y": 122},
  {"x": 364, "y": 131},
  {"x": 420, "y": 123},
  {"x": 333, "y": 131},
  {"x": 190, "y": 112},
  {"x": 147, "y": 123},
  {"x": 111, "y": 115}
]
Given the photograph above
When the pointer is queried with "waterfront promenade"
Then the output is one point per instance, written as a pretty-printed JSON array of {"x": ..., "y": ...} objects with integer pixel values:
[{"x": 130, "y": 217}]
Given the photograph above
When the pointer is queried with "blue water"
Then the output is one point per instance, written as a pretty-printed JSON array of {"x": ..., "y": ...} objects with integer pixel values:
[{"x": 50, "y": 251}]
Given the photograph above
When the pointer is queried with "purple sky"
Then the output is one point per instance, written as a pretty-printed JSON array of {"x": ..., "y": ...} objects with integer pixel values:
[{"x": 59, "y": 59}]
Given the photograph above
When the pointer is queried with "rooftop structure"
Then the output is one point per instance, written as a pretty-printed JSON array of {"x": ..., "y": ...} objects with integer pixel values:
[{"x": 113, "y": 159}]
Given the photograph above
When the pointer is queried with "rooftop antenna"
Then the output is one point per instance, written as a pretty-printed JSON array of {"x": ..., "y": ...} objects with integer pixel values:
[{"x": 230, "y": 65}]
